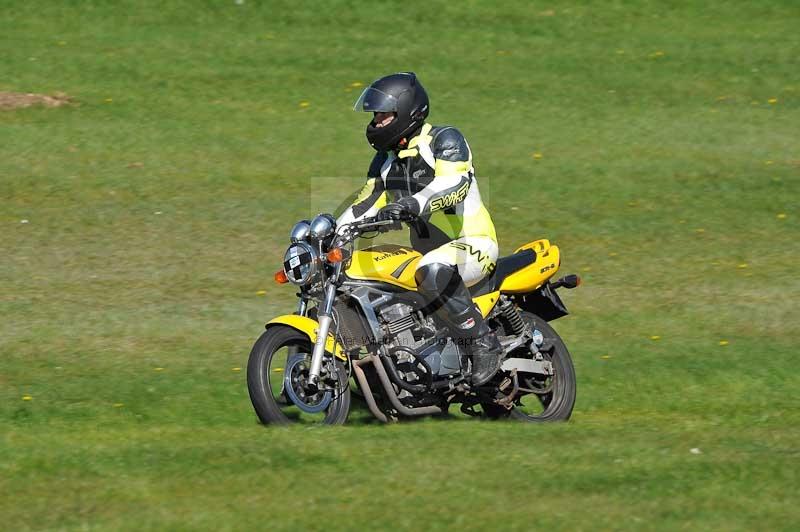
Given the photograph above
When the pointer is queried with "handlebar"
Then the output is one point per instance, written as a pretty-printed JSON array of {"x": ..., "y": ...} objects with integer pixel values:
[{"x": 373, "y": 224}]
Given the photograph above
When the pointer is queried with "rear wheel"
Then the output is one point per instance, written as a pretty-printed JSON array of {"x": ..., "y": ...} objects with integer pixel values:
[
  {"x": 543, "y": 397},
  {"x": 276, "y": 376}
]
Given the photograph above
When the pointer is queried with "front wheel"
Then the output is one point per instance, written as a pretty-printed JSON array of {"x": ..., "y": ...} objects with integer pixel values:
[{"x": 276, "y": 374}]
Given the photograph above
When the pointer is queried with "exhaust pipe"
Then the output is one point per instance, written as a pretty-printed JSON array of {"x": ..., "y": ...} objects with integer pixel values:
[{"x": 389, "y": 389}]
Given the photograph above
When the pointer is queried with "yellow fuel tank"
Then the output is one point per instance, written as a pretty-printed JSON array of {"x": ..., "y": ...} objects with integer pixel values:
[{"x": 385, "y": 263}]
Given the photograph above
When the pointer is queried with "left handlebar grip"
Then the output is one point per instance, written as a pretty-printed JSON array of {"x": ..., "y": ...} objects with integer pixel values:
[{"x": 394, "y": 226}]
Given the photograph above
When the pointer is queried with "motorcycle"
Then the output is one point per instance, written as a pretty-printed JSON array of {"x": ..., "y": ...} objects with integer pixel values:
[{"x": 362, "y": 327}]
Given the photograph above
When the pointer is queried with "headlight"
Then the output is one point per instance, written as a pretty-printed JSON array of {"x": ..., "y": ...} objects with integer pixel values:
[
  {"x": 300, "y": 231},
  {"x": 301, "y": 263},
  {"x": 323, "y": 226}
]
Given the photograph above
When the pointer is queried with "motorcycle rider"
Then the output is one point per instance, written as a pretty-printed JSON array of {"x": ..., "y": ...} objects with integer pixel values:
[{"x": 427, "y": 173}]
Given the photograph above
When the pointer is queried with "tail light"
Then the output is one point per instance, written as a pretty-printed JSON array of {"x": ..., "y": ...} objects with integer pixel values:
[{"x": 568, "y": 281}]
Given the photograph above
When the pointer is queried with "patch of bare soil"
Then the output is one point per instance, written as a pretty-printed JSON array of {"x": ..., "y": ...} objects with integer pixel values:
[{"x": 18, "y": 100}]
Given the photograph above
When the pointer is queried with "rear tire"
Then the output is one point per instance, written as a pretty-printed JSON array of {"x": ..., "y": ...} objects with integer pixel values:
[
  {"x": 557, "y": 399},
  {"x": 264, "y": 381}
]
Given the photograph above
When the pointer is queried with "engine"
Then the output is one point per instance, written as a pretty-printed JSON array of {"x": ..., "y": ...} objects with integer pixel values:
[
  {"x": 407, "y": 331},
  {"x": 403, "y": 328}
]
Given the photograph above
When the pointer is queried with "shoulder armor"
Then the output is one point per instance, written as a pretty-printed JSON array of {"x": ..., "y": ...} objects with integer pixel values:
[{"x": 449, "y": 144}]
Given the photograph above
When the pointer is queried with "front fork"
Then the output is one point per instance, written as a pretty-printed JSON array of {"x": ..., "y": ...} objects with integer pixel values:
[{"x": 325, "y": 319}]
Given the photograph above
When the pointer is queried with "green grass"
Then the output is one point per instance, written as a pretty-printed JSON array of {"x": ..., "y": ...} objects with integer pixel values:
[{"x": 158, "y": 205}]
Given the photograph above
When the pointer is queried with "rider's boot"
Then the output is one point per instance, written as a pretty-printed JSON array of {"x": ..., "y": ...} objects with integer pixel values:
[
  {"x": 487, "y": 357},
  {"x": 481, "y": 344},
  {"x": 443, "y": 287}
]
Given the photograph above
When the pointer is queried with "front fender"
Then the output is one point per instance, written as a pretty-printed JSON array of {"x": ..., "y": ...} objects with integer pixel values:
[{"x": 308, "y": 327}]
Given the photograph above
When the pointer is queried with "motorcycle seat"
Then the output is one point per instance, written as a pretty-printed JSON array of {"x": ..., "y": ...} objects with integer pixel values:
[{"x": 505, "y": 267}]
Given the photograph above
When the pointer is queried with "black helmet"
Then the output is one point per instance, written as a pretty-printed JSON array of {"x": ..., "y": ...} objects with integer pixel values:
[{"x": 401, "y": 94}]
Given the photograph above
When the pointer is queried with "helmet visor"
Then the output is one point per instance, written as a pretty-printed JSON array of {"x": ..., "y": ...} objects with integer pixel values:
[{"x": 374, "y": 101}]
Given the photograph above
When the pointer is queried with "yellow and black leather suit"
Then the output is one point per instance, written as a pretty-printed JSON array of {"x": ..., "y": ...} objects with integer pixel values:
[{"x": 433, "y": 178}]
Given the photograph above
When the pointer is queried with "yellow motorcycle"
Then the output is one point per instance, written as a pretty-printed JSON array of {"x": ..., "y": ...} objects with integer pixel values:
[{"x": 361, "y": 325}]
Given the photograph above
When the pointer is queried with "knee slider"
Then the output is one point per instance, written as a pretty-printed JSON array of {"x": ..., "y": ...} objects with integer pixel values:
[
  {"x": 443, "y": 288},
  {"x": 435, "y": 278}
]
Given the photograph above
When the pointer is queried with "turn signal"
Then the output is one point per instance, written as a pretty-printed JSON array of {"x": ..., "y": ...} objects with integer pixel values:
[
  {"x": 280, "y": 277},
  {"x": 335, "y": 255}
]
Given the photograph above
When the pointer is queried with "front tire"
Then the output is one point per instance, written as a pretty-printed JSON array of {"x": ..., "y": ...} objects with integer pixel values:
[{"x": 270, "y": 356}]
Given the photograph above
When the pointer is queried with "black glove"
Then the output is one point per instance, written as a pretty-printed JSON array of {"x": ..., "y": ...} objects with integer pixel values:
[{"x": 395, "y": 211}]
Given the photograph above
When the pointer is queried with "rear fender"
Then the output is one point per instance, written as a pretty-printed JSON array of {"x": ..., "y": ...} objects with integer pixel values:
[
  {"x": 308, "y": 327},
  {"x": 544, "y": 302}
]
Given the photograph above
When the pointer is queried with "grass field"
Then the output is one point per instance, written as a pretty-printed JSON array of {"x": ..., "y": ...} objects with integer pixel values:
[{"x": 658, "y": 144}]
